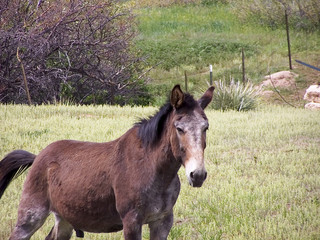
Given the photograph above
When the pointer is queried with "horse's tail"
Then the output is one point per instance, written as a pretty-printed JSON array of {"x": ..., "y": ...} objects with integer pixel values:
[{"x": 12, "y": 166}]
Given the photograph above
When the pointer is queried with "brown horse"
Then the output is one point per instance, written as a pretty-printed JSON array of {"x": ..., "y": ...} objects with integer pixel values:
[{"x": 122, "y": 184}]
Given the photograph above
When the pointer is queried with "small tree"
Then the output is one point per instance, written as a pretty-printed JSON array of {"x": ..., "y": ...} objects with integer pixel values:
[{"x": 78, "y": 50}]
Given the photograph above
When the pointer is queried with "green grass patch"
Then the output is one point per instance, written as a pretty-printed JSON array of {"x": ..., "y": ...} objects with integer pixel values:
[
  {"x": 191, "y": 37},
  {"x": 263, "y": 168},
  {"x": 196, "y": 52},
  {"x": 185, "y": 20}
]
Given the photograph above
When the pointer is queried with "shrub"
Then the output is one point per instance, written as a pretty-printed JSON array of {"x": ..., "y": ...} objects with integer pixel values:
[
  {"x": 235, "y": 96},
  {"x": 78, "y": 50}
]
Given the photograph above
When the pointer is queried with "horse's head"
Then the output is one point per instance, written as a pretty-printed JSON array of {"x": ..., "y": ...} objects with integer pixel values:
[{"x": 188, "y": 138}]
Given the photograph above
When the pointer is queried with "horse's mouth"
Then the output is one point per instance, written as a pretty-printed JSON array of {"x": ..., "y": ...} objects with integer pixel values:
[
  {"x": 196, "y": 183},
  {"x": 197, "y": 178}
]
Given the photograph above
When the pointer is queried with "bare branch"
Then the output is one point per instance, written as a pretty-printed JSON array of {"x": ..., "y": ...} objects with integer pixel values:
[{"x": 77, "y": 50}]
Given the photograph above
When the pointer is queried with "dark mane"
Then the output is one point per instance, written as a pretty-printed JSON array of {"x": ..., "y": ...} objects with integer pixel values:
[{"x": 150, "y": 129}]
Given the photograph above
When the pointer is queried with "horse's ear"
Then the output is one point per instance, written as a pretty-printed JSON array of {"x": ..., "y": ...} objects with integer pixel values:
[
  {"x": 206, "y": 98},
  {"x": 177, "y": 97}
]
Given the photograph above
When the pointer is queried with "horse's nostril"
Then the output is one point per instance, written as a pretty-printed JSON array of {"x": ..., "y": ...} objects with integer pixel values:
[{"x": 198, "y": 175}]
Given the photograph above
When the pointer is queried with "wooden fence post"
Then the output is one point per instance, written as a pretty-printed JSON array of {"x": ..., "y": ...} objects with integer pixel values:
[
  {"x": 288, "y": 38},
  {"x": 186, "y": 80},
  {"x": 243, "y": 68}
]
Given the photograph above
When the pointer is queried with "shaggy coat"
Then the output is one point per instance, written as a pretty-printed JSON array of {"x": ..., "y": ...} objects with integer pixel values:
[{"x": 122, "y": 184}]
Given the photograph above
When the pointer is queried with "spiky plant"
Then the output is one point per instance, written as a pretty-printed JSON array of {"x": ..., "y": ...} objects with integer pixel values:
[{"x": 234, "y": 96}]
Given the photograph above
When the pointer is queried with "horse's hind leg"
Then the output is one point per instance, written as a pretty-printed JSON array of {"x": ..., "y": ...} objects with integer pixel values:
[
  {"x": 62, "y": 230},
  {"x": 31, "y": 216}
]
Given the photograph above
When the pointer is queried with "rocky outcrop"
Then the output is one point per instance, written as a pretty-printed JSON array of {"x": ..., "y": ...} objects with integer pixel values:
[
  {"x": 313, "y": 96},
  {"x": 283, "y": 79}
]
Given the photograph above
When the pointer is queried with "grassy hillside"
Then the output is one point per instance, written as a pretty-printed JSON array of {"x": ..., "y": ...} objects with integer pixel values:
[
  {"x": 263, "y": 168},
  {"x": 189, "y": 38}
]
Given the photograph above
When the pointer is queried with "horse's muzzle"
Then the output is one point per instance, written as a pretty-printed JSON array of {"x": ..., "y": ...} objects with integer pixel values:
[{"x": 197, "y": 177}]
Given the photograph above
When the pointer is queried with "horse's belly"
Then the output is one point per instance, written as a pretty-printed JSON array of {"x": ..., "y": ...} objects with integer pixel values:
[
  {"x": 90, "y": 216},
  {"x": 99, "y": 226},
  {"x": 82, "y": 195},
  {"x": 89, "y": 207}
]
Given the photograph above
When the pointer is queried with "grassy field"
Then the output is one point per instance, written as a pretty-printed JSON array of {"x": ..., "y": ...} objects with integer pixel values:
[
  {"x": 189, "y": 38},
  {"x": 263, "y": 168}
]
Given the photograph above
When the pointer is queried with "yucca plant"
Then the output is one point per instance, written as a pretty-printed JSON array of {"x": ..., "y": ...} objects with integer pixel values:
[{"x": 235, "y": 96}]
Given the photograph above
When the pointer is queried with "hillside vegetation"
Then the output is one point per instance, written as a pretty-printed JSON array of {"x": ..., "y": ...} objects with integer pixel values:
[
  {"x": 189, "y": 37},
  {"x": 263, "y": 168},
  {"x": 132, "y": 52}
]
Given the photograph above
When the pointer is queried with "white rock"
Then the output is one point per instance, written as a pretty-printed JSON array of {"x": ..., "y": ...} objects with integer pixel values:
[
  {"x": 312, "y": 106},
  {"x": 313, "y": 94}
]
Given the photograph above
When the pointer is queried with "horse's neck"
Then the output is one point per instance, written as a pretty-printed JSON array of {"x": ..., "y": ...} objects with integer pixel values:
[{"x": 165, "y": 160}]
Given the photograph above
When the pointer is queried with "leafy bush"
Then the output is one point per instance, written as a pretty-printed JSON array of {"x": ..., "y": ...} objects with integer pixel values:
[{"x": 235, "y": 96}]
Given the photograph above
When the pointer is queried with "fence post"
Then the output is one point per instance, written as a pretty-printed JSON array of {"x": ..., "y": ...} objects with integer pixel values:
[
  {"x": 210, "y": 66},
  {"x": 288, "y": 38},
  {"x": 186, "y": 80},
  {"x": 243, "y": 68}
]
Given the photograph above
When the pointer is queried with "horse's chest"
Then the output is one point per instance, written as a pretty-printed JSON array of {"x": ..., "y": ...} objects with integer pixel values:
[{"x": 161, "y": 201}]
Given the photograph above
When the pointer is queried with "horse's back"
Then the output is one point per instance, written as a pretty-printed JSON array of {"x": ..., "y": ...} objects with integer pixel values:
[{"x": 71, "y": 159}]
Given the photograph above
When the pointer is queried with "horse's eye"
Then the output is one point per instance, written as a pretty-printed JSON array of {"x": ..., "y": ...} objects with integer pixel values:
[{"x": 180, "y": 130}]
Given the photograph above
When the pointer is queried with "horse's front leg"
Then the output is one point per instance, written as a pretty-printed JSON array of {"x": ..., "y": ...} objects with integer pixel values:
[
  {"x": 159, "y": 230},
  {"x": 132, "y": 226}
]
